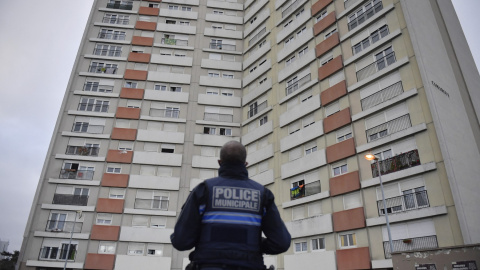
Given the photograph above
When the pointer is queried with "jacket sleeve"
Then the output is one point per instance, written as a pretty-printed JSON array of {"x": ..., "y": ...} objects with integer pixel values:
[
  {"x": 277, "y": 236},
  {"x": 187, "y": 228}
]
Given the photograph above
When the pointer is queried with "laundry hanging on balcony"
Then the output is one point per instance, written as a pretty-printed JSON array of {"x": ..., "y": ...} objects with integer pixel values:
[{"x": 297, "y": 192}]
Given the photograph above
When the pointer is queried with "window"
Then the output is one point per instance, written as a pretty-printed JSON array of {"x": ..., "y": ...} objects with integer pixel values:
[
  {"x": 308, "y": 121},
  {"x": 228, "y": 76},
  {"x": 314, "y": 209},
  {"x": 106, "y": 247},
  {"x": 111, "y": 34},
  {"x": 218, "y": 12},
  {"x": 107, "y": 50},
  {"x": 263, "y": 120},
  {"x": 154, "y": 249},
  {"x": 339, "y": 169},
  {"x": 344, "y": 134},
  {"x": 300, "y": 247},
  {"x": 116, "y": 19},
  {"x": 186, "y": 9},
  {"x": 151, "y": 5},
  {"x": 168, "y": 148},
  {"x": 130, "y": 84},
  {"x": 385, "y": 58},
  {"x": 352, "y": 200},
  {"x": 172, "y": 7},
  {"x": 114, "y": 169},
  {"x": 347, "y": 240},
  {"x": 301, "y": 31},
  {"x": 374, "y": 37},
  {"x": 160, "y": 87},
  {"x": 302, "y": 52},
  {"x": 226, "y": 131},
  {"x": 298, "y": 212},
  {"x": 327, "y": 35},
  {"x": 332, "y": 108},
  {"x": 209, "y": 130},
  {"x": 126, "y": 146},
  {"x": 290, "y": 61},
  {"x": 56, "y": 222},
  {"x": 363, "y": 13},
  {"x": 99, "y": 67},
  {"x": 325, "y": 60},
  {"x": 310, "y": 150},
  {"x": 104, "y": 219},
  {"x": 103, "y": 86},
  {"x": 321, "y": 15},
  {"x": 212, "y": 91},
  {"x": 93, "y": 105},
  {"x": 135, "y": 249},
  {"x": 149, "y": 199},
  {"x": 213, "y": 74},
  {"x": 318, "y": 244},
  {"x": 116, "y": 193}
]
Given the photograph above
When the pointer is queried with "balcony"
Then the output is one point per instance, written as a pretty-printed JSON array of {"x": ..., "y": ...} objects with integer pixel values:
[
  {"x": 112, "y": 35},
  {"x": 256, "y": 109},
  {"x": 76, "y": 174},
  {"x": 295, "y": 85},
  {"x": 102, "y": 69},
  {"x": 388, "y": 128},
  {"x": 349, "y": 3},
  {"x": 224, "y": 47},
  {"x": 83, "y": 127},
  {"x": 290, "y": 8},
  {"x": 56, "y": 253},
  {"x": 257, "y": 36},
  {"x": 305, "y": 190},
  {"x": 362, "y": 17},
  {"x": 164, "y": 113},
  {"x": 69, "y": 199},
  {"x": 90, "y": 107},
  {"x": 381, "y": 96},
  {"x": 120, "y": 6},
  {"x": 175, "y": 42},
  {"x": 376, "y": 66},
  {"x": 397, "y": 163},
  {"x": 63, "y": 226},
  {"x": 404, "y": 203},
  {"x": 218, "y": 117},
  {"x": 82, "y": 150},
  {"x": 408, "y": 244},
  {"x": 152, "y": 204}
]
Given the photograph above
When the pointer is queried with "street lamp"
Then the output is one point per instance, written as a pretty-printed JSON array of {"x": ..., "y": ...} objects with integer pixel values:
[
  {"x": 71, "y": 236},
  {"x": 370, "y": 156}
]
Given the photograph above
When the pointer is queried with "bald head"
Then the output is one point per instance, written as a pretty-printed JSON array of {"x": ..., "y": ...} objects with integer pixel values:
[{"x": 233, "y": 152}]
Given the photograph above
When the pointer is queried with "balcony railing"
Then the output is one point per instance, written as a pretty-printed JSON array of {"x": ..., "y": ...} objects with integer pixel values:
[
  {"x": 82, "y": 150},
  {"x": 262, "y": 106},
  {"x": 164, "y": 113},
  {"x": 376, "y": 66},
  {"x": 305, "y": 190},
  {"x": 388, "y": 128},
  {"x": 397, "y": 163},
  {"x": 218, "y": 117},
  {"x": 404, "y": 203},
  {"x": 224, "y": 47},
  {"x": 63, "y": 226},
  {"x": 362, "y": 17},
  {"x": 172, "y": 41},
  {"x": 76, "y": 174},
  {"x": 295, "y": 85},
  {"x": 257, "y": 36},
  {"x": 381, "y": 96},
  {"x": 349, "y": 3},
  {"x": 116, "y": 20},
  {"x": 289, "y": 9},
  {"x": 69, "y": 199},
  {"x": 107, "y": 52},
  {"x": 83, "y": 127},
  {"x": 153, "y": 204},
  {"x": 56, "y": 253},
  {"x": 120, "y": 6},
  {"x": 417, "y": 243},
  {"x": 90, "y": 107}
]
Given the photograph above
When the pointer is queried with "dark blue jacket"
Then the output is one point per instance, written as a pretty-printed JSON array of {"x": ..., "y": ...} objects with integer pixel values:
[{"x": 223, "y": 218}]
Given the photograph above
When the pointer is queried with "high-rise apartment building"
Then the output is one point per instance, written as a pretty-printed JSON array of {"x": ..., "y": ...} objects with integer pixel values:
[{"x": 309, "y": 86}]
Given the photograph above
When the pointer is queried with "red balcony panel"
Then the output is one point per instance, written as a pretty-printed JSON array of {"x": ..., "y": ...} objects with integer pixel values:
[
  {"x": 148, "y": 11},
  {"x": 132, "y": 93},
  {"x": 99, "y": 261},
  {"x": 142, "y": 41},
  {"x": 333, "y": 93},
  {"x": 104, "y": 232},
  {"x": 110, "y": 205},
  {"x": 353, "y": 258},
  {"x": 119, "y": 156},
  {"x": 139, "y": 57},
  {"x": 344, "y": 183},
  {"x": 138, "y": 75},
  {"x": 327, "y": 44},
  {"x": 341, "y": 150},
  {"x": 150, "y": 26},
  {"x": 329, "y": 68},
  {"x": 324, "y": 23},
  {"x": 128, "y": 113},
  {"x": 336, "y": 120},
  {"x": 319, "y": 5},
  {"x": 114, "y": 180},
  {"x": 348, "y": 220},
  {"x": 127, "y": 134}
]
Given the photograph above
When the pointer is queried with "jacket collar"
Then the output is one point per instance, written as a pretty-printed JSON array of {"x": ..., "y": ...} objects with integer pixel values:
[{"x": 233, "y": 170}]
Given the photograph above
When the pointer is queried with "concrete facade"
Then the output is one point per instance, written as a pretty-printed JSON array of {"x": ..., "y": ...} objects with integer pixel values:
[{"x": 309, "y": 86}]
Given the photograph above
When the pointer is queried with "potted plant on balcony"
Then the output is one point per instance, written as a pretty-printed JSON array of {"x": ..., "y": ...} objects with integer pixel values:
[{"x": 407, "y": 241}]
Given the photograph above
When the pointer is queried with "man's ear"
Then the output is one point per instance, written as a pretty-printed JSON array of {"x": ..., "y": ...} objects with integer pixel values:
[
  {"x": 246, "y": 164},
  {"x": 219, "y": 162}
]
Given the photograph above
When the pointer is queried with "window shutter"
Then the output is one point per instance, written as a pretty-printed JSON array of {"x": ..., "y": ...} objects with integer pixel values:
[
  {"x": 82, "y": 119},
  {"x": 76, "y": 142},
  {"x": 117, "y": 192},
  {"x": 181, "y": 37},
  {"x": 303, "y": 73},
  {"x": 163, "y": 68},
  {"x": 226, "y": 111},
  {"x": 147, "y": 170},
  {"x": 262, "y": 143},
  {"x": 375, "y": 121},
  {"x": 308, "y": 120},
  {"x": 124, "y": 144},
  {"x": 152, "y": 125},
  {"x": 412, "y": 183},
  {"x": 228, "y": 41},
  {"x": 312, "y": 177},
  {"x": 295, "y": 153},
  {"x": 359, "y": 37},
  {"x": 157, "y": 105},
  {"x": 375, "y": 26},
  {"x": 164, "y": 171},
  {"x": 139, "y": 221},
  {"x": 122, "y": 123},
  {"x": 306, "y": 94},
  {"x": 147, "y": 34},
  {"x": 170, "y": 127},
  {"x": 151, "y": 147},
  {"x": 163, "y": 194},
  {"x": 64, "y": 190},
  {"x": 206, "y": 174},
  {"x": 421, "y": 228},
  {"x": 291, "y": 103},
  {"x": 314, "y": 209},
  {"x": 298, "y": 212},
  {"x": 252, "y": 170},
  {"x": 106, "y": 82},
  {"x": 166, "y": 51},
  {"x": 209, "y": 109},
  {"x": 398, "y": 231},
  {"x": 352, "y": 200},
  {"x": 332, "y": 108},
  {"x": 404, "y": 146},
  {"x": 207, "y": 151},
  {"x": 369, "y": 90},
  {"x": 343, "y": 131},
  {"x": 263, "y": 166},
  {"x": 144, "y": 194},
  {"x": 140, "y": 66},
  {"x": 390, "y": 79},
  {"x": 158, "y": 222},
  {"x": 310, "y": 145},
  {"x": 397, "y": 111},
  {"x": 215, "y": 56},
  {"x": 336, "y": 78},
  {"x": 363, "y": 62},
  {"x": 134, "y": 103},
  {"x": 391, "y": 190}
]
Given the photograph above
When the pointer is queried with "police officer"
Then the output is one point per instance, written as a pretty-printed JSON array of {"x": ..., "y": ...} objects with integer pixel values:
[{"x": 224, "y": 217}]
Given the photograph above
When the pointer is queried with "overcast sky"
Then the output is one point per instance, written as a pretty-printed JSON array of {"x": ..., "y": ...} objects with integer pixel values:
[{"x": 38, "y": 45}]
